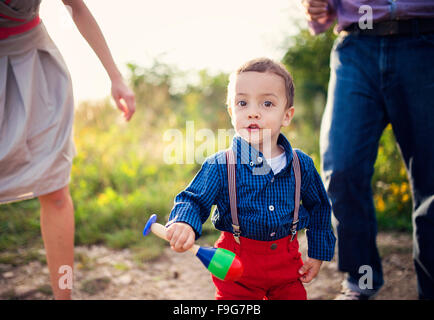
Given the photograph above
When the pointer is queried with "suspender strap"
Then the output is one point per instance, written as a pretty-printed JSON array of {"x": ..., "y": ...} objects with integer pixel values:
[
  {"x": 230, "y": 164},
  {"x": 297, "y": 174}
]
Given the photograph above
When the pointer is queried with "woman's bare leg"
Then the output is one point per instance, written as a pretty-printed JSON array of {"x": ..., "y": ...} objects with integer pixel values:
[{"x": 57, "y": 227}]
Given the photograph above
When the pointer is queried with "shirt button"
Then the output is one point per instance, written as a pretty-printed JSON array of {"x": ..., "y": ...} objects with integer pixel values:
[
  {"x": 273, "y": 246},
  {"x": 259, "y": 160},
  {"x": 251, "y": 163},
  {"x": 272, "y": 179},
  {"x": 272, "y": 234},
  {"x": 271, "y": 208}
]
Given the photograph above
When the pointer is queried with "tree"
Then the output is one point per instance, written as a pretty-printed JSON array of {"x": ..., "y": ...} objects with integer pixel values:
[{"x": 308, "y": 59}]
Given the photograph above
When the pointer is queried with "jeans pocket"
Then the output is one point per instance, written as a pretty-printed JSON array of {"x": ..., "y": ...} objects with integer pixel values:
[
  {"x": 341, "y": 41},
  {"x": 427, "y": 39}
]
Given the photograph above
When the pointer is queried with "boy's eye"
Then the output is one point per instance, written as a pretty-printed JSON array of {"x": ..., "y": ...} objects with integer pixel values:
[
  {"x": 268, "y": 104},
  {"x": 241, "y": 103}
]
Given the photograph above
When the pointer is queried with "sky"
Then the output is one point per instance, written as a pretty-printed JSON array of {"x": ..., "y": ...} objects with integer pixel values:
[{"x": 189, "y": 34}]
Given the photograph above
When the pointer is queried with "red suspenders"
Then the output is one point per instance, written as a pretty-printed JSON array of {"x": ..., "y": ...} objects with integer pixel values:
[{"x": 230, "y": 163}]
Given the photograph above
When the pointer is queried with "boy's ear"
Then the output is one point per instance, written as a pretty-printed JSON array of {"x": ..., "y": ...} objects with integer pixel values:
[
  {"x": 229, "y": 111},
  {"x": 289, "y": 114},
  {"x": 230, "y": 115}
]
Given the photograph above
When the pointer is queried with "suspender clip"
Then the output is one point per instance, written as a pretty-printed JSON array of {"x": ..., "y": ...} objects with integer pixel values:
[
  {"x": 236, "y": 232},
  {"x": 293, "y": 233},
  {"x": 294, "y": 229}
]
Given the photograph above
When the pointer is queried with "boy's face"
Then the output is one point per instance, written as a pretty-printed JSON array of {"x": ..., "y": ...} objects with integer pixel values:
[{"x": 258, "y": 107}]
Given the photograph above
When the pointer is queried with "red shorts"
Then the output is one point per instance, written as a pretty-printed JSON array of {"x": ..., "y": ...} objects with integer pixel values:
[{"x": 270, "y": 270}]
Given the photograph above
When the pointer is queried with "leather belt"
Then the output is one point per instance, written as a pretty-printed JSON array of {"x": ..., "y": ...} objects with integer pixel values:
[{"x": 394, "y": 27}]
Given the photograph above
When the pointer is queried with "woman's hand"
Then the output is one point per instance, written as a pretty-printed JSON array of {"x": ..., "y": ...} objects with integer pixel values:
[
  {"x": 124, "y": 97},
  {"x": 90, "y": 31}
]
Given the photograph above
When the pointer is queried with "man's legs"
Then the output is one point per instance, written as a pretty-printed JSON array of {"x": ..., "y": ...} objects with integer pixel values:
[
  {"x": 409, "y": 97},
  {"x": 352, "y": 125}
]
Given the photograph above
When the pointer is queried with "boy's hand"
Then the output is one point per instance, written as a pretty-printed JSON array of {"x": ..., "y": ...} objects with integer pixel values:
[
  {"x": 316, "y": 10},
  {"x": 181, "y": 236},
  {"x": 310, "y": 269}
]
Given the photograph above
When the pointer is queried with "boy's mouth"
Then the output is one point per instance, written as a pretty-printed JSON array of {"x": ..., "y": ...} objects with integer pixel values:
[{"x": 253, "y": 127}]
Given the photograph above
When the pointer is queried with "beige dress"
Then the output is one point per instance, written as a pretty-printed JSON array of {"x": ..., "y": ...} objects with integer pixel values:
[{"x": 36, "y": 110}]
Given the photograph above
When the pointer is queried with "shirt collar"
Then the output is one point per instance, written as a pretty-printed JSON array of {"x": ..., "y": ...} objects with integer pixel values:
[{"x": 253, "y": 158}]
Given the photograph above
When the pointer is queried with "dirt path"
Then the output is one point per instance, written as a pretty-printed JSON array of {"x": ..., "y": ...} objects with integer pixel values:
[{"x": 107, "y": 274}]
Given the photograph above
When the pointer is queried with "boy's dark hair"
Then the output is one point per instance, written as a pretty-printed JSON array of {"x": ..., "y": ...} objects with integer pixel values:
[{"x": 266, "y": 65}]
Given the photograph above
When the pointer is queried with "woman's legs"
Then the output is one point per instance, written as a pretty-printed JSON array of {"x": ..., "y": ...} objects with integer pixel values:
[{"x": 57, "y": 227}]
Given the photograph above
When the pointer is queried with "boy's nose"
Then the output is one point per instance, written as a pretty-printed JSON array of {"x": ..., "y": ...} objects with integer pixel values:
[{"x": 253, "y": 114}]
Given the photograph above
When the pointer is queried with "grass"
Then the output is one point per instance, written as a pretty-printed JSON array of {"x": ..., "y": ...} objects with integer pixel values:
[
  {"x": 96, "y": 285},
  {"x": 20, "y": 257}
]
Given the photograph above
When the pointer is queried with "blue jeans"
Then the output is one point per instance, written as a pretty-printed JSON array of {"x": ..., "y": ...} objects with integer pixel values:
[{"x": 375, "y": 81}]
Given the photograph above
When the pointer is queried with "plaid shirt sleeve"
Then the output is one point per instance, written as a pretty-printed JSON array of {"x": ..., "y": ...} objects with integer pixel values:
[
  {"x": 320, "y": 237},
  {"x": 193, "y": 205}
]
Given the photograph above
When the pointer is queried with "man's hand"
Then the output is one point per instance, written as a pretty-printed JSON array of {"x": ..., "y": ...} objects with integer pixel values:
[
  {"x": 316, "y": 10},
  {"x": 310, "y": 269},
  {"x": 181, "y": 236}
]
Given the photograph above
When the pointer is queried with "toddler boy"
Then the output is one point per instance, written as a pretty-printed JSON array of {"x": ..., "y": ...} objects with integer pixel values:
[{"x": 254, "y": 187}]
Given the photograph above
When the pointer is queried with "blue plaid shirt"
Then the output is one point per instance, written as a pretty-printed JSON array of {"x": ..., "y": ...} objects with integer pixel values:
[{"x": 265, "y": 201}]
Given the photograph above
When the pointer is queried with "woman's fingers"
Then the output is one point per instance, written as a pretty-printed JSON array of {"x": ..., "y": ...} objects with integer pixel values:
[{"x": 124, "y": 98}]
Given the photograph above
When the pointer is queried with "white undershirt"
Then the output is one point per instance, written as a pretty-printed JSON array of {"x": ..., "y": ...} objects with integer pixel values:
[{"x": 277, "y": 163}]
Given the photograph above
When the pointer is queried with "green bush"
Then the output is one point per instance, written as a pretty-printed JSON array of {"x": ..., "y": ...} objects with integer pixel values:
[{"x": 119, "y": 177}]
